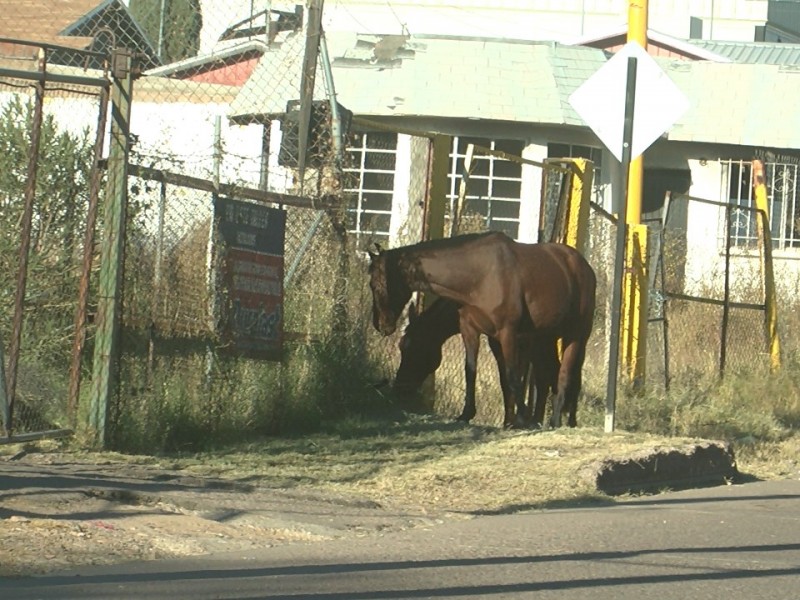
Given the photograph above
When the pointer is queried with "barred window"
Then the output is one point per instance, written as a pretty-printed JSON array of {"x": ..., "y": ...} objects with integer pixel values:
[
  {"x": 369, "y": 183},
  {"x": 782, "y": 200},
  {"x": 589, "y": 153},
  {"x": 493, "y": 195}
]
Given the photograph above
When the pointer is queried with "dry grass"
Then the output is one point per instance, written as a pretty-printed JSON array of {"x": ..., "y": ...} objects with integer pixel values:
[{"x": 434, "y": 464}]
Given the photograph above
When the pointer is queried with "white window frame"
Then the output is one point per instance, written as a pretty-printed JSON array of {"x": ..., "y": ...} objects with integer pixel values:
[
  {"x": 454, "y": 180},
  {"x": 358, "y": 194},
  {"x": 783, "y": 201}
]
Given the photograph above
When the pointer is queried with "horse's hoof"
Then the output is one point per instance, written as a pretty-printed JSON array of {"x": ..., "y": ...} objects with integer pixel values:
[
  {"x": 516, "y": 424},
  {"x": 464, "y": 419}
]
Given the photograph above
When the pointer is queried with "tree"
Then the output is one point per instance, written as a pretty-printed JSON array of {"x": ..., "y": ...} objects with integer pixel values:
[
  {"x": 59, "y": 220},
  {"x": 173, "y": 26}
]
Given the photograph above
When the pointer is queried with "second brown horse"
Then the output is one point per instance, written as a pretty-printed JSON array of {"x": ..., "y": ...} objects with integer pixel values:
[
  {"x": 504, "y": 289},
  {"x": 421, "y": 354}
]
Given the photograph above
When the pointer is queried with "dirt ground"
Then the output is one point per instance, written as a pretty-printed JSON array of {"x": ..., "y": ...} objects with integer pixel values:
[
  {"x": 57, "y": 511},
  {"x": 62, "y": 509}
]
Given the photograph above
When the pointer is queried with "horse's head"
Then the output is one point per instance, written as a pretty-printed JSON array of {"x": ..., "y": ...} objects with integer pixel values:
[
  {"x": 420, "y": 356},
  {"x": 390, "y": 293}
]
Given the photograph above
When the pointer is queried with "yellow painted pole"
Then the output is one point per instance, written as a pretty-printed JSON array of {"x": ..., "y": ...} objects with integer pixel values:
[
  {"x": 637, "y": 32},
  {"x": 578, "y": 209},
  {"x": 765, "y": 239},
  {"x": 634, "y": 346},
  {"x": 634, "y": 297}
]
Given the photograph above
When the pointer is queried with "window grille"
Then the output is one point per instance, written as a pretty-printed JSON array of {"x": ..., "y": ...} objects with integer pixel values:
[
  {"x": 589, "y": 153},
  {"x": 495, "y": 186},
  {"x": 369, "y": 183},
  {"x": 782, "y": 201}
]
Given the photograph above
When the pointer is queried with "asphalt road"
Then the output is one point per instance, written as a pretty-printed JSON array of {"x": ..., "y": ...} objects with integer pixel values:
[{"x": 732, "y": 542}]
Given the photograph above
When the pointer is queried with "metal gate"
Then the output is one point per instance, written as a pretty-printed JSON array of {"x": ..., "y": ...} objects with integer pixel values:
[{"x": 53, "y": 114}]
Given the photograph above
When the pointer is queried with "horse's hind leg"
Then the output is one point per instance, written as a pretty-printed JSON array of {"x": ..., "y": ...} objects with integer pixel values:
[
  {"x": 471, "y": 339},
  {"x": 571, "y": 397},
  {"x": 514, "y": 379},
  {"x": 569, "y": 382},
  {"x": 546, "y": 366}
]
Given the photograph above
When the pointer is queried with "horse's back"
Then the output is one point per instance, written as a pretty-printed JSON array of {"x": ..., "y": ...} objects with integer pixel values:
[{"x": 560, "y": 285}]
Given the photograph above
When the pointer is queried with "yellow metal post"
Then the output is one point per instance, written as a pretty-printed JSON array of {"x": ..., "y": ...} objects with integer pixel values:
[
  {"x": 634, "y": 319},
  {"x": 634, "y": 298},
  {"x": 577, "y": 220},
  {"x": 765, "y": 239}
]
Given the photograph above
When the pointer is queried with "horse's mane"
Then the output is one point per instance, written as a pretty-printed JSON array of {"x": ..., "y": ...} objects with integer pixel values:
[
  {"x": 445, "y": 243},
  {"x": 404, "y": 261}
]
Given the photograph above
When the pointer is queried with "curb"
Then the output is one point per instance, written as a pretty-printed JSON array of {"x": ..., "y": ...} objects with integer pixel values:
[{"x": 697, "y": 465}]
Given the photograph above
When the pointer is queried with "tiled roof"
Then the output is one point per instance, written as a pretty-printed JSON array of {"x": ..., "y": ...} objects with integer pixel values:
[
  {"x": 44, "y": 20},
  {"x": 71, "y": 24}
]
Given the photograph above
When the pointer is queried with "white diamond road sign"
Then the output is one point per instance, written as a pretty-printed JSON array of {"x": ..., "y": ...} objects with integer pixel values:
[{"x": 600, "y": 101}]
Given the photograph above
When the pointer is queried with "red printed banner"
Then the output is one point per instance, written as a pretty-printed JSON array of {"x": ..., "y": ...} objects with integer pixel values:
[{"x": 252, "y": 275}]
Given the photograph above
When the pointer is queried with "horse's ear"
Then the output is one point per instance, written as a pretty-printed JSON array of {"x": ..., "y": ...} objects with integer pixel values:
[{"x": 376, "y": 252}]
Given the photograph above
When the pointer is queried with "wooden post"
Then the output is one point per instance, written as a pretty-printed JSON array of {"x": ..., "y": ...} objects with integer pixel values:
[
  {"x": 433, "y": 225},
  {"x": 307, "y": 78},
  {"x": 438, "y": 163},
  {"x": 3, "y": 397},
  {"x": 105, "y": 374},
  {"x": 458, "y": 207}
]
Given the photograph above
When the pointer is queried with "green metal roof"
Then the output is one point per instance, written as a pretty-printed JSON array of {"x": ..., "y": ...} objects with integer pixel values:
[
  {"x": 525, "y": 82},
  {"x": 762, "y": 53},
  {"x": 436, "y": 77}
]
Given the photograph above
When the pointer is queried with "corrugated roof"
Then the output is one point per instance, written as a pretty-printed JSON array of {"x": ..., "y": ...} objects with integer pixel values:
[{"x": 763, "y": 53}]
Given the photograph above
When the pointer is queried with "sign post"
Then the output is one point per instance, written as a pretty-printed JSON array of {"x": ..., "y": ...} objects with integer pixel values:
[{"x": 628, "y": 103}]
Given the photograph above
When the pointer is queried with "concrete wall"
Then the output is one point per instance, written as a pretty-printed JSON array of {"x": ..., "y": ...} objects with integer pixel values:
[{"x": 560, "y": 20}]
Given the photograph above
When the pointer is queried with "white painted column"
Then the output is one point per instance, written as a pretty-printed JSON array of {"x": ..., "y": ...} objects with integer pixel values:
[{"x": 531, "y": 193}]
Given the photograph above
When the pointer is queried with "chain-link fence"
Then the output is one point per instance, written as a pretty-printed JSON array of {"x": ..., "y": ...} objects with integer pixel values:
[
  {"x": 713, "y": 304},
  {"x": 484, "y": 203},
  {"x": 236, "y": 101}
]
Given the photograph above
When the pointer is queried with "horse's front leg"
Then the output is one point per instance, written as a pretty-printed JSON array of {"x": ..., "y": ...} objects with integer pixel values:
[{"x": 471, "y": 339}]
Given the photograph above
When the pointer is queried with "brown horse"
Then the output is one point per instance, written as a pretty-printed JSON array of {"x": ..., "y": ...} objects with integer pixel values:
[
  {"x": 503, "y": 288},
  {"x": 421, "y": 354}
]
